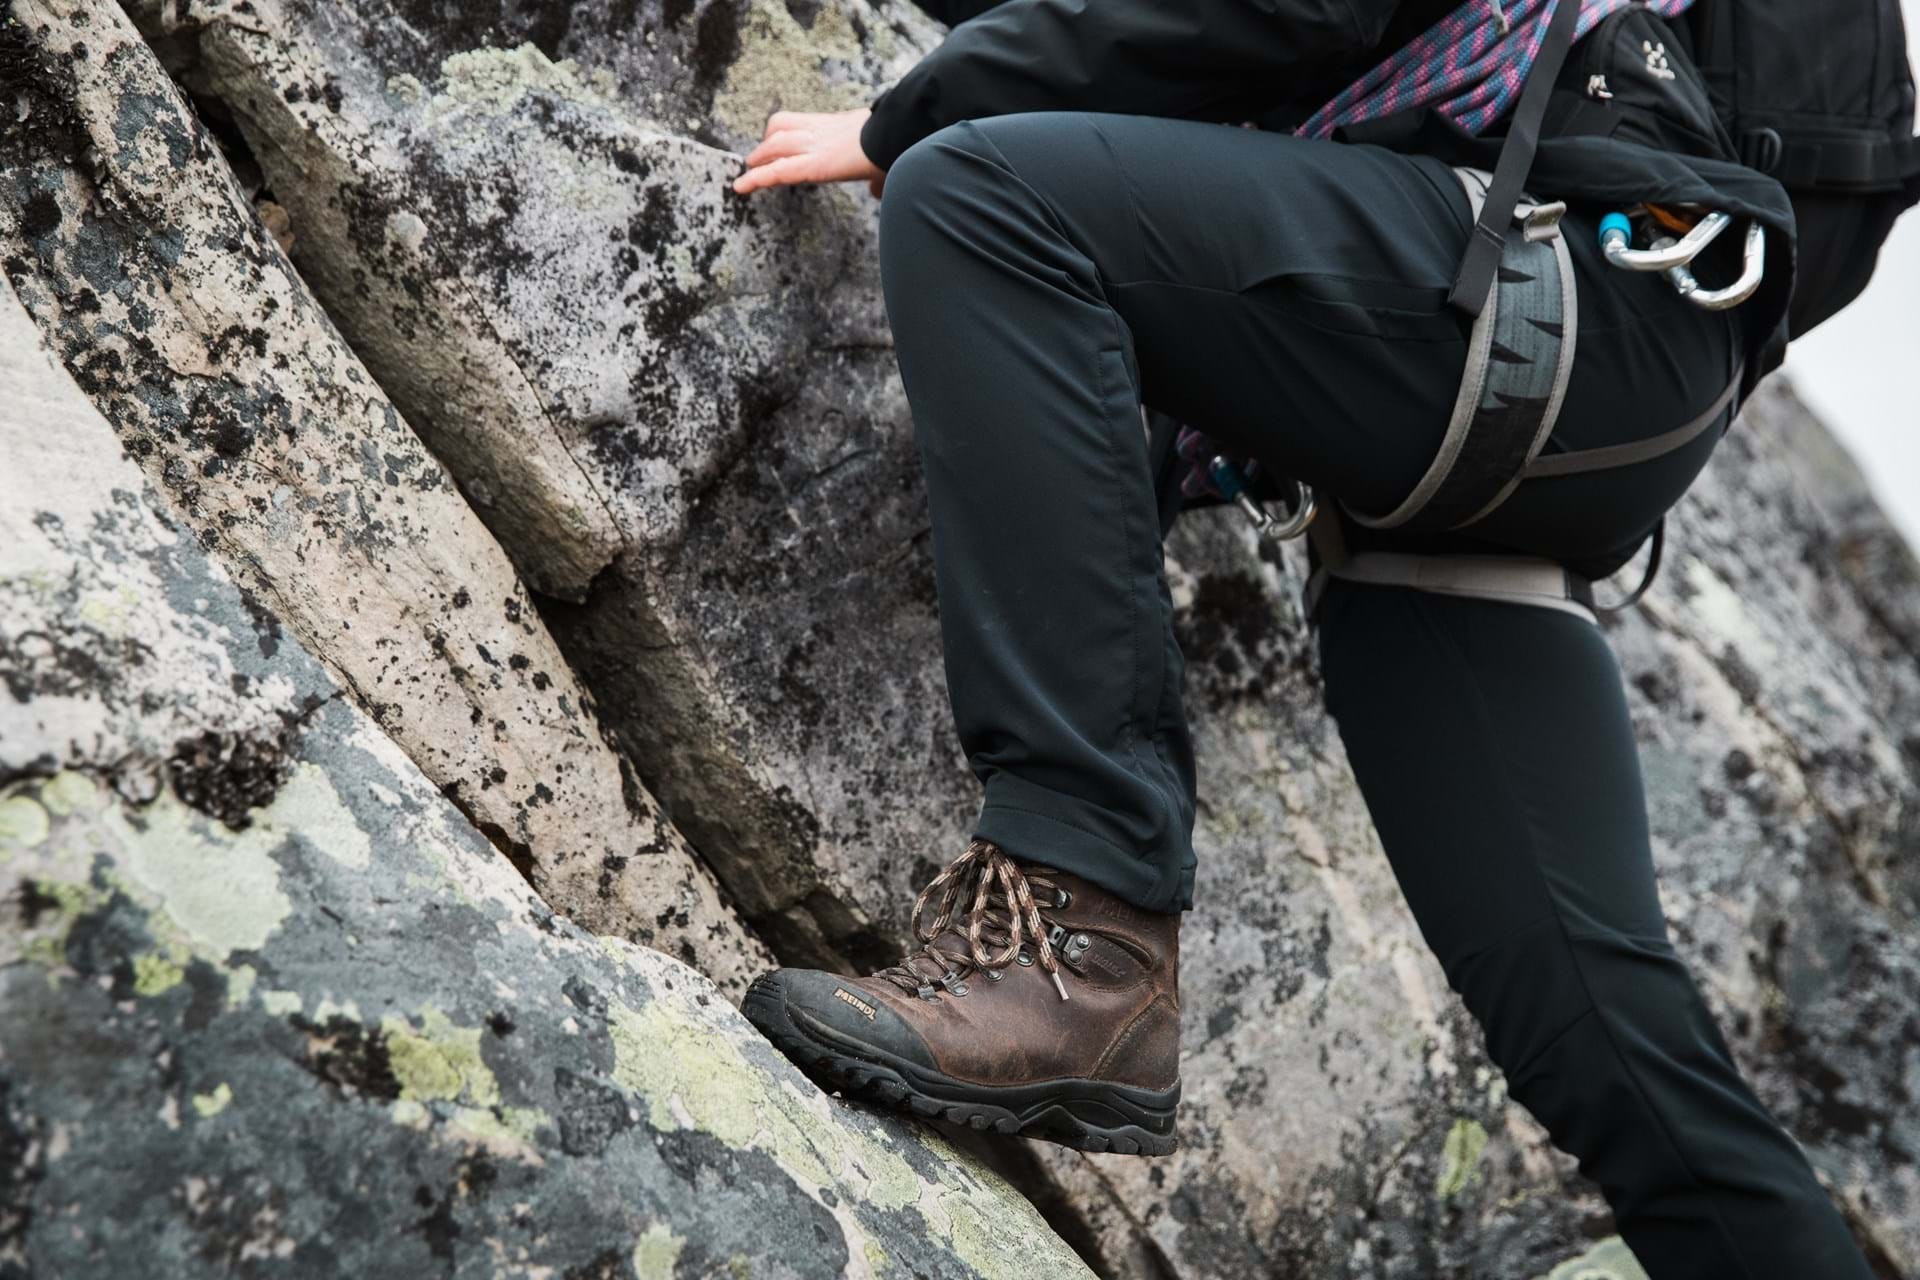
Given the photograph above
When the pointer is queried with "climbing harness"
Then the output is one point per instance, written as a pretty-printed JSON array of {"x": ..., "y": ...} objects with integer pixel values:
[
  {"x": 1519, "y": 360},
  {"x": 1515, "y": 280}
]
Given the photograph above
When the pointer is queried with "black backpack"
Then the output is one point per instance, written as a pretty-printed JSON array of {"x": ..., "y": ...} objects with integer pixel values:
[{"x": 1817, "y": 94}]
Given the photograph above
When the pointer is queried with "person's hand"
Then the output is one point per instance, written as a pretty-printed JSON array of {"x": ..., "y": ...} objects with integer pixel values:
[{"x": 810, "y": 146}]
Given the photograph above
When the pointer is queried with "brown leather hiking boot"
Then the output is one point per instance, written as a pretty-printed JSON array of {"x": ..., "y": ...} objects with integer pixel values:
[{"x": 1044, "y": 1006}]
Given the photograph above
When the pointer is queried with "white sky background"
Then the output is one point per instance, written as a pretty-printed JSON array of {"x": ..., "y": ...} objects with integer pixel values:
[{"x": 1860, "y": 371}]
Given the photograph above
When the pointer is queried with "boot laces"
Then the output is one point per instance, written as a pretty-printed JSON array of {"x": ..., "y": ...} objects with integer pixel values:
[{"x": 1003, "y": 913}]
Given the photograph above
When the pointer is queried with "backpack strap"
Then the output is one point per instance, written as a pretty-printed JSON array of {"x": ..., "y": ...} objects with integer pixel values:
[
  {"x": 1474, "y": 282},
  {"x": 1866, "y": 161}
]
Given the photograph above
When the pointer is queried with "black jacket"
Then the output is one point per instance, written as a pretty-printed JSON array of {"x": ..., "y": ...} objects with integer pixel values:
[{"x": 1275, "y": 62}]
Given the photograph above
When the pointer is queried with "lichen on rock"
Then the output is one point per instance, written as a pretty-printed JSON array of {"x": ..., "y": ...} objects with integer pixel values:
[
  {"x": 677, "y": 412},
  {"x": 342, "y": 1035},
  {"x": 155, "y": 284}
]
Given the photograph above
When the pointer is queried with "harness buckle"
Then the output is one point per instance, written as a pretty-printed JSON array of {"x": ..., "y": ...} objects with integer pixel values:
[{"x": 1540, "y": 222}]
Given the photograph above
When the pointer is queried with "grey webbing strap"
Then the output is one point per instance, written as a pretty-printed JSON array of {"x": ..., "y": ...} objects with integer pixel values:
[
  {"x": 1506, "y": 579},
  {"x": 1625, "y": 455},
  {"x": 1526, "y": 580},
  {"x": 1485, "y": 251},
  {"x": 1519, "y": 361}
]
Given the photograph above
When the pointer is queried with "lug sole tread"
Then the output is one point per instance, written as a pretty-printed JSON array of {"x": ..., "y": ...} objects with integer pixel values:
[{"x": 871, "y": 1081}]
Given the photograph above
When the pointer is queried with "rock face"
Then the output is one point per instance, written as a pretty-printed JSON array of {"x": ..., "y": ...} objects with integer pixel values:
[
  {"x": 1340, "y": 1117},
  {"x": 272, "y": 1006},
  {"x": 677, "y": 413},
  {"x": 143, "y": 262},
  {"x": 503, "y": 198}
]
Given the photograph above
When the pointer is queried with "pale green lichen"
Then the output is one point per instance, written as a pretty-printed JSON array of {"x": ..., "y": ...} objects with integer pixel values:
[
  {"x": 440, "y": 1062},
  {"x": 654, "y": 1059},
  {"x": 692, "y": 1074},
  {"x": 308, "y": 803},
  {"x": 491, "y": 82},
  {"x": 781, "y": 64},
  {"x": 23, "y": 823},
  {"x": 329, "y": 1008},
  {"x": 1608, "y": 1260},
  {"x": 240, "y": 980},
  {"x": 411, "y": 1114},
  {"x": 280, "y": 1004},
  {"x": 514, "y": 1126},
  {"x": 46, "y": 945},
  {"x": 156, "y": 972},
  {"x": 209, "y": 1105},
  {"x": 68, "y": 793},
  {"x": 110, "y": 613},
  {"x": 657, "y": 1253},
  {"x": 221, "y": 887},
  {"x": 1460, "y": 1158}
]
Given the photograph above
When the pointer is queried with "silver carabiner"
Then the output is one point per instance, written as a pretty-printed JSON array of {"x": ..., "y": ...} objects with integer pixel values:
[
  {"x": 1675, "y": 258},
  {"x": 1753, "y": 269},
  {"x": 1231, "y": 482}
]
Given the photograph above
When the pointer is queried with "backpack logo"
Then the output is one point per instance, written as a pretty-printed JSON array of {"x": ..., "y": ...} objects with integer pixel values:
[{"x": 1657, "y": 65}]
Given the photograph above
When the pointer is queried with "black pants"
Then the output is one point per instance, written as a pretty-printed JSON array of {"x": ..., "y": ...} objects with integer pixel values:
[{"x": 1045, "y": 276}]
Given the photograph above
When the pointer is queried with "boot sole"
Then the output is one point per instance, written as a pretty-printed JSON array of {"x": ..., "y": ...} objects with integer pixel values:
[{"x": 1087, "y": 1115}]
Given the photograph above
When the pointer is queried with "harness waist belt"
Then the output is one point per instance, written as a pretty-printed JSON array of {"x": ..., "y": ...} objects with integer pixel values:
[{"x": 1510, "y": 579}]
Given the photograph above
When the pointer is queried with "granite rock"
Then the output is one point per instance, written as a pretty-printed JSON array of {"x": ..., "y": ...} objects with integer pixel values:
[
  {"x": 146, "y": 268},
  {"x": 275, "y": 1007}
]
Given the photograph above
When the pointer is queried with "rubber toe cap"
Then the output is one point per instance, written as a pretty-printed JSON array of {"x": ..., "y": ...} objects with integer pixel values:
[{"x": 811, "y": 1001}]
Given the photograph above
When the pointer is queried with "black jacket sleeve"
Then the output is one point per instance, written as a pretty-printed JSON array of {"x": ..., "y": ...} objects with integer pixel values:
[
  {"x": 955, "y": 12},
  {"x": 1191, "y": 59}
]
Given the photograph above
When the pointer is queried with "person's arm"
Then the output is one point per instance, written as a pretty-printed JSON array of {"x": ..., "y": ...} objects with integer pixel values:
[
  {"x": 1190, "y": 59},
  {"x": 955, "y": 12}
]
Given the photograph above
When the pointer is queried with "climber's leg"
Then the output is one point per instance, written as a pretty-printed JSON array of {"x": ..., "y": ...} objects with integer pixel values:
[
  {"x": 1043, "y": 275},
  {"x": 1494, "y": 748}
]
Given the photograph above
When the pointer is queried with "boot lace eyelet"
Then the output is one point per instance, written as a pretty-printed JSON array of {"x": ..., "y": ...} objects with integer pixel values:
[
  {"x": 1024, "y": 960},
  {"x": 1062, "y": 899}
]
